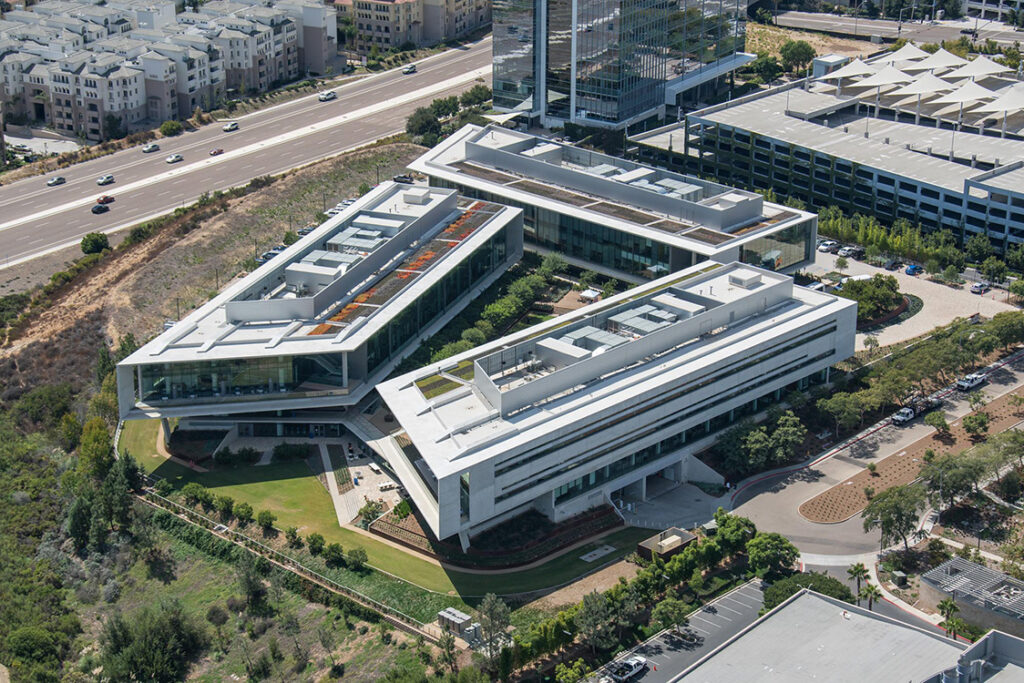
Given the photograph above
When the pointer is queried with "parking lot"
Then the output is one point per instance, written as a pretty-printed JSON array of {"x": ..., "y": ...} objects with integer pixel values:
[{"x": 669, "y": 654}]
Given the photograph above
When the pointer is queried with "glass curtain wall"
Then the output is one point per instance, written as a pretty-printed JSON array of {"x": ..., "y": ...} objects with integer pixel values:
[
  {"x": 704, "y": 31},
  {"x": 514, "y": 33},
  {"x": 780, "y": 250}
]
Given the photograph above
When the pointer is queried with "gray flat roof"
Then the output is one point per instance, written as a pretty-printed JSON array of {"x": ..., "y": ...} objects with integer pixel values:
[{"x": 813, "y": 637}]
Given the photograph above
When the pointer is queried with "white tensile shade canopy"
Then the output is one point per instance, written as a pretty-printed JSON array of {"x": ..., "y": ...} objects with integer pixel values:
[
  {"x": 942, "y": 59},
  {"x": 889, "y": 75},
  {"x": 907, "y": 53},
  {"x": 924, "y": 85},
  {"x": 1010, "y": 102},
  {"x": 852, "y": 70},
  {"x": 967, "y": 93},
  {"x": 980, "y": 67}
]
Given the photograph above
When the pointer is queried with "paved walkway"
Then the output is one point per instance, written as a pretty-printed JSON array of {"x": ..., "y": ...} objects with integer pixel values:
[
  {"x": 341, "y": 504},
  {"x": 942, "y": 304},
  {"x": 992, "y": 557}
]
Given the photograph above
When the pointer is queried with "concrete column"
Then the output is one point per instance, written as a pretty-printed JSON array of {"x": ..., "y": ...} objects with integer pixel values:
[
  {"x": 280, "y": 429},
  {"x": 344, "y": 369}
]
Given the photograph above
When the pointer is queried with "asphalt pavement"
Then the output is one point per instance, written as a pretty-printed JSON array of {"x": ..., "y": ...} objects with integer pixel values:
[
  {"x": 917, "y": 31},
  {"x": 669, "y": 654},
  {"x": 36, "y": 219}
]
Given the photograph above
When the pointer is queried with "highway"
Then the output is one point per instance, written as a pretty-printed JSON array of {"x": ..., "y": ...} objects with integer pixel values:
[
  {"x": 890, "y": 30},
  {"x": 37, "y": 220}
]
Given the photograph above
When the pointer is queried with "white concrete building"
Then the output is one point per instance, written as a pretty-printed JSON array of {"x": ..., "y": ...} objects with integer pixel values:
[
  {"x": 627, "y": 220},
  {"x": 317, "y": 326},
  {"x": 580, "y": 410}
]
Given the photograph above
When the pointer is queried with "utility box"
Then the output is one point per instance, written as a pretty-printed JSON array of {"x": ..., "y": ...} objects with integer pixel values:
[
  {"x": 899, "y": 578},
  {"x": 454, "y": 621}
]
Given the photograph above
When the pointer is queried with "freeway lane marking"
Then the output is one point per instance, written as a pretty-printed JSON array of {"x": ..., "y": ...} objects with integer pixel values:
[{"x": 377, "y": 108}]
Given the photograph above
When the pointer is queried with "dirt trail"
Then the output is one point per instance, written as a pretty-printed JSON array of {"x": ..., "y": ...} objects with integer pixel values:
[{"x": 179, "y": 269}]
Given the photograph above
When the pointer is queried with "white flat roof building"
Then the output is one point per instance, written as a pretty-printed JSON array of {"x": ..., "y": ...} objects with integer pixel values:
[
  {"x": 933, "y": 139},
  {"x": 564, "y": 414},
  {"x": 318, "y": 324},
  {"x": 629, "y": 220}
]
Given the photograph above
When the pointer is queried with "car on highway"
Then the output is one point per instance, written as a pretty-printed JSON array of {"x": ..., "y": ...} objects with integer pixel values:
[
  {"x": 327, "y": 96},
  {"x": 628, "y": 668},
  {"x": 100, "y": 208},
  {"x": 980, "y": 287},
  {"x": 230, "y": 126},
  {"x": 106, "y": 199},
  {"x": 56, "y": 180},
  {"x": 410, "y": 69},
  {"x": 105, "y": 179},
  {"x": 216, "y": 152},
  {"x": 151, "y": 147},
  {"x": 174, "y": 158},
  {"x": 914, "y": 269},
  {"x": 826, "y": 246},
  {"x": 971, "y": 381}
]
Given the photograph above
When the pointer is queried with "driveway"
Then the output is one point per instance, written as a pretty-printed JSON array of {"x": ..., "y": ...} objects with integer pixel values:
[
  {"x": 942, "y": 304},
  {"x": 669, "y": 654}
]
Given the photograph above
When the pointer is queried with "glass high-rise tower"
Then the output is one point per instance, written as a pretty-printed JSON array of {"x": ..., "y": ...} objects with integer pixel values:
[{"x": 609, "y": 63}]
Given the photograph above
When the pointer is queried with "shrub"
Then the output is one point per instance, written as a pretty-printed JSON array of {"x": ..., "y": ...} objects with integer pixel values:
[
  {"x": 334, "y": 554},
  {"x": 781, "y": 590},
  {"x": 247, "y": 454},
  {"x": 171, "y": 128},
  {"x": 291, "y": 451},
  {"x": 291, "y": 534},
  {"x": 243, "y": 513},
  {"x": 94, "y": 243},
  {"x": 194, "y": 492},
  {"x": 315, "y": 542}
]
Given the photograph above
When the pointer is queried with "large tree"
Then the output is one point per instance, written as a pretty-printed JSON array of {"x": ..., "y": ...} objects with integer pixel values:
[
  {"x": 771, "y": 553},
  {"x": 596, "y": 622},
  {"x": 796, "y": 54},
  {"x": 895, "y": 512},
  {"x": 155, "y": 644},
  {"x": 495, "y": 618},
  {"x": 781, "y": 590}
]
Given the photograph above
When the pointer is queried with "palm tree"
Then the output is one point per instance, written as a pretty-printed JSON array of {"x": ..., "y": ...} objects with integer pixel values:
[
  {"x": 954, "y": 626},
  {"x": 870, "y": 593},
  {"x": 858, "y": 572},
  {"x": 948, "y": 608}
]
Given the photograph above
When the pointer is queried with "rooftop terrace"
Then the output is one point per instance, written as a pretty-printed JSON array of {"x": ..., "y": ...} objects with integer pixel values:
[
  {"x": 977, "y": 583},
  {"x": 703, "y": 215}
]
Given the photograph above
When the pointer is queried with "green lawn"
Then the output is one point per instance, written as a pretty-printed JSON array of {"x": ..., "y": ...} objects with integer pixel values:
[{"x": 291, "y": 491}]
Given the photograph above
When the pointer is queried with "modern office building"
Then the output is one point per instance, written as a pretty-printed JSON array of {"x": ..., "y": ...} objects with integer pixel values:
[
  {"x": 934, "y": 139},
  {"x": 319, "y": 324},
  {"x": 580, "y": 410},
  {"x": 611, "y": 63},
  {"x": 628, "y": 220}
]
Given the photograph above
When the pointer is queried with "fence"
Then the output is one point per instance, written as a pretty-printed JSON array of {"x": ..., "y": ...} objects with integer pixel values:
[{"x": 396, "y": 617}]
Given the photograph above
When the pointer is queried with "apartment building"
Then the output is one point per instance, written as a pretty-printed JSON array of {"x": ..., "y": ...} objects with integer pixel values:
[
  {"x": 183, "y": 62},
  {"x": 285, "y": 349},
  {"x": 628, "y": 220},
  {"x": 931, "y": 138},
  {"x": 583, "y": 409},
  {"x": 387, "y": 24}
]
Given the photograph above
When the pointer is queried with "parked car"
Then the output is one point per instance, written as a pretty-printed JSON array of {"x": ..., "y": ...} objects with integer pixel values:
[
  {"x": 105, "y": 199},
  {"x": 626, "y": 669},
  {"x": 409, "y": 69},
  {"x": 914, "y": 269},
  {"x": 846, "y": 251},
  {"x": 327, "y": 96},
  {"x": 857, "y": 253},
  {"x": 56, "y": 180},
  {"x": 105, "y": 179},
  {"x": 893, "y": 264},
  {"x": 404, "y": 178},
  {"x": 151, "y": 147},
  {"x": 980, "y": 287},
  {"x": 100, "y": 208},
  {"x": 230, "y": 126},
  {"x": 174, "y": 158},
  {"x": 826, "y": 246},
  {"x": 306, "y": 230},
  {"x": 971, "y": 381},
  {"x": 216, "y": 152}
]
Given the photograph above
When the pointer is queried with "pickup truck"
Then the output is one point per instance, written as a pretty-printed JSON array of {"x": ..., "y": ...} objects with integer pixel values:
[
  {"x": 971, "y": 381},
  {"x": 626, "y": 669},
  {"x": 913, "y": 409}
]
